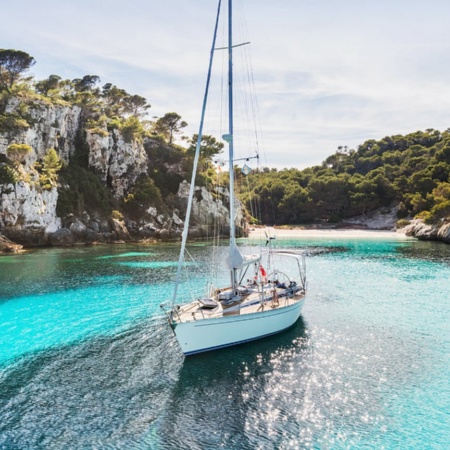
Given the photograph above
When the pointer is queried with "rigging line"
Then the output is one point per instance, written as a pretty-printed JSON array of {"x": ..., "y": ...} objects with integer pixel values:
[
  {"x": 193, "y": 260},
  {"x": 253, "y": 96},
  {"x": 259, "y": 138},
  {"x": 219, "y": 193},
  {"x": 248, "y": 91},
  {"x": 209, "y": 187},
  {"x": 258, "y": 206},
  {"x": 193, "y": 289},
  {"x": 248, "y": 193},
  {"x": 233, "y": 46},
  {"x": 196, "y": 158},
  {"x": 215, "y": 238},
  {"x": 254, "y": 103},
  {"x": 223, "y": 93}
]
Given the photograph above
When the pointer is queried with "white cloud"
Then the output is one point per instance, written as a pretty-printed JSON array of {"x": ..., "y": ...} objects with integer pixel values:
[{"x": 327, "y": 73}]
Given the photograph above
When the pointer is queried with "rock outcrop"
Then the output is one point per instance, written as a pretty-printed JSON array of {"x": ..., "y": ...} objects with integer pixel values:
[
  {"x": 24, "y": 205},
  {"x": 209, "y": 212},
  {"x": 28, "y": 209},
  {"x": 49, "y": 126},
  {"x": 386, "y": 219},
  {"x": 7, "y": 246},
  {"x": 116, "y": 161},
  {"x": 425, "y": 232},
  {"x": 28, "y": 212},
  {"x": 380, "y": 219}
]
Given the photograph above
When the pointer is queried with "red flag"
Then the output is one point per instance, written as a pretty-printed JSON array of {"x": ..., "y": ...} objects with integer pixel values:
[{"x": 263, "y": 274}]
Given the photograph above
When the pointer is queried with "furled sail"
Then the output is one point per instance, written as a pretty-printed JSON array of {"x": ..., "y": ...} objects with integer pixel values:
[{"x": 236, "y": 260}]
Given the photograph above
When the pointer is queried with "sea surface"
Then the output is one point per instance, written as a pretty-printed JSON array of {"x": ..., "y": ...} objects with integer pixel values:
[{"x": 87, "y": 360}]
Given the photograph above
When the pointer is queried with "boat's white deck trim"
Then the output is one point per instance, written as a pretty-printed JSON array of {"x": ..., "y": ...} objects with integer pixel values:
[{"x": 249, "y": 305}]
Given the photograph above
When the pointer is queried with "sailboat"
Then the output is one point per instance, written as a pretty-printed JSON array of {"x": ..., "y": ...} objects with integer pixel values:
[{"x": 260, "y": 299}]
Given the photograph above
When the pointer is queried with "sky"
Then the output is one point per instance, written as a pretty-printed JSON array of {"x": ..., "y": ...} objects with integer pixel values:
[{"x": 327, "y": 73}]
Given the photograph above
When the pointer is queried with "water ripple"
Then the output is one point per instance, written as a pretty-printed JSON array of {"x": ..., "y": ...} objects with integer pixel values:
[{"x": 89, "y": 363}]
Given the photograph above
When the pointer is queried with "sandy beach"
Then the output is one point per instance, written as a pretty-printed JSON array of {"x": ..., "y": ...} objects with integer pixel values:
[{"x": 327, "y": 233}]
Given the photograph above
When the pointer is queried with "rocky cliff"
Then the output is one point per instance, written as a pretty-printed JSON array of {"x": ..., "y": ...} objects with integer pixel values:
[
  {"x": 25, "y": 207},
  {"x": 115, "y": 160},
  {"x": 29, "y": 211}
]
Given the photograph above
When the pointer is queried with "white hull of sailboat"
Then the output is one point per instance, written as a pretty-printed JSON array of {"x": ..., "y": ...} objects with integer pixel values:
[{"x": 204, "y": 335}]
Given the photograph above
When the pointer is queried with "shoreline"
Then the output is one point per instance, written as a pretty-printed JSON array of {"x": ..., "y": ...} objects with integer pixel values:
[
  {"x": 327, "y": 233},
  {"x": 8, "y": 247}
]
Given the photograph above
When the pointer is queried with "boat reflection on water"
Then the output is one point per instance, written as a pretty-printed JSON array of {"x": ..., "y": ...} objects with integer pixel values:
[{"x": 217, "y": 393}]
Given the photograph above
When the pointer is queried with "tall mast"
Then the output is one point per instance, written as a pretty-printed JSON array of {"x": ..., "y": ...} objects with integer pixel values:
[{"x": 230, "y": 133}]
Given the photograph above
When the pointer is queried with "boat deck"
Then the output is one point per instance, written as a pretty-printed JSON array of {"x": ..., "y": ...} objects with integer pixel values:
[{"x": 249, "y": 304}]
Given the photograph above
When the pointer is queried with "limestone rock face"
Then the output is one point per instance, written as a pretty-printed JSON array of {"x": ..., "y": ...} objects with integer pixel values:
[
  {"x": 120, "y": 229},
  {"x": 209, "y": 211},
  {"x": 26, "y": 210},
  {"x": 116, "y": 161},
  {"x": 50, "y": 126},
  {"x": 77, "y": 227},
  {"x": 26, "y": 206}
]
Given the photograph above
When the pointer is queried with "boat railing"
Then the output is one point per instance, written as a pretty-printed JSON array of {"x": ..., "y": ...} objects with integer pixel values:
[{"x": 169, "y": 310}]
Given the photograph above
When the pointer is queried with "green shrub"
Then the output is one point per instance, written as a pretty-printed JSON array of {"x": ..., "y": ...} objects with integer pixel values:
[
  {"x": 143, "y": 195},
  {"x": 402, "y": 223},
  {"x": 12, "y": 123},
  {"x": 132, "y": 129},
  {"x": 18, "y": 152},
  {"x": 440, "y": 211},
  {"x": 49, "y": 169},
  {"x": 424, "y": 215},
  {"x": 167, "y": 182},
  {"x": 99, "y": 131},
  {"x": 116, "y": 215},
  {"x": 8, "y": 175},
  {"x": 82, "y": 190},
  {"x": 114, "y": 124}
]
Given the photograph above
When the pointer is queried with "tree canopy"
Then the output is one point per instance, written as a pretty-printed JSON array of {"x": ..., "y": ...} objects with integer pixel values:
[
  {"x": 411, "y": 171},
  {"x": 13, "y": 63},
  {"x": 169, "y": 125}
]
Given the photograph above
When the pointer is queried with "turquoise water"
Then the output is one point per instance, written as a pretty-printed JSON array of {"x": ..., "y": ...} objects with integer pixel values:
[{"x": 87, "y": 360}]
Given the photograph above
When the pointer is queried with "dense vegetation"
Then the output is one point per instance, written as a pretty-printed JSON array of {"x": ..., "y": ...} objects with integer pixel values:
[{"x": 411, "y": 172}]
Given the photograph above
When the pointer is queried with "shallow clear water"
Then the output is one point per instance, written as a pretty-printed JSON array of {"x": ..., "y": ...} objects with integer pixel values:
[{"x": 87, "y": 360}]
